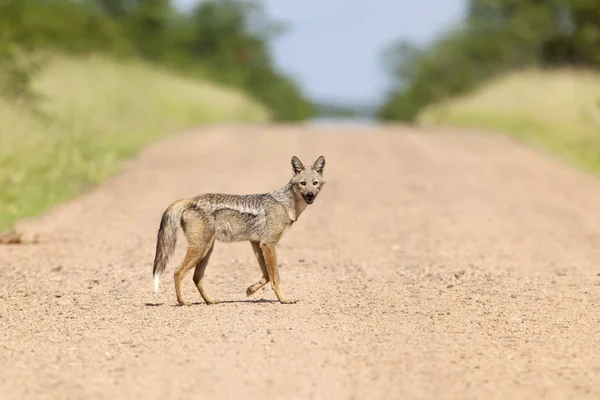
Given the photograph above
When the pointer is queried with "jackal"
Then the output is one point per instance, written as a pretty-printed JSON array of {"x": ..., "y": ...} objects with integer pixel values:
[{"x": 261, "y": 219}]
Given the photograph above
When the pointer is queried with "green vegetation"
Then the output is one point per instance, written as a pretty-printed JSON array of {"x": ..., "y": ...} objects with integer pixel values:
[
  {"x": 496, "y": 37},
  {"x": 555, "y": 110},
  {"x": 522, "y": 67},
  {"x": 96, "y": 113},
  {"x": 226, "y": 41},
  {"x": 85, "y": 84}
]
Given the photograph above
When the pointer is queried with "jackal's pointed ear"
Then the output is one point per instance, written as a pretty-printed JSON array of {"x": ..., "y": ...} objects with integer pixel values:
[
  {"x": 297, "y": 165},
  {"x": 319, "y": 165}
]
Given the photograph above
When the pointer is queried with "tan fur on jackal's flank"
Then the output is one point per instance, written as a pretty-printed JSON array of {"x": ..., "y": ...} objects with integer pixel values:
[{"x": 262, "y": 219}]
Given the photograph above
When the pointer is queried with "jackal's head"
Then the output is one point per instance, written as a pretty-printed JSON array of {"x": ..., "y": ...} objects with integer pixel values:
[{"x": 308, "y": 181}]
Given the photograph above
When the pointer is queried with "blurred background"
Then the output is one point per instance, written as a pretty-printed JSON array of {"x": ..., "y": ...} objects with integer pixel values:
[{"x": 85, "y": 84}]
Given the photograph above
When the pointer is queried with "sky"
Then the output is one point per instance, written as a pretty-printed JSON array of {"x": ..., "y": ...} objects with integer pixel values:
[{"x": 333, "y": 48}]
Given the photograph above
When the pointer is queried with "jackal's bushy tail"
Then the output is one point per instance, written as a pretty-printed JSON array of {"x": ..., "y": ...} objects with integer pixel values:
[{"x": 167, "y": 237}]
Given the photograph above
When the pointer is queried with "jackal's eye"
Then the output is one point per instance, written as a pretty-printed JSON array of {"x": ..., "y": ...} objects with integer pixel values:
[
  {"x": 303, "y": 183},
  {"x": 316, "y": 183}
]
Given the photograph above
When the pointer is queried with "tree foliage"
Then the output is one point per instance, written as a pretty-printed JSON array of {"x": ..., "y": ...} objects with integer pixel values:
[
  {"x": 495, "y": 37},
  {"x": 227, "y": 39}
]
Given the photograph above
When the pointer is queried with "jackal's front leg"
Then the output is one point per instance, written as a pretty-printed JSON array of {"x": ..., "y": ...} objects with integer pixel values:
[
  {"x": 270, "y": 255},
  {"x": 263, "y": 267}
]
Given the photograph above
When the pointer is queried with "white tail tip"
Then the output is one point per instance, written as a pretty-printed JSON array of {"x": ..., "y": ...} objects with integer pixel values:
[{"x": 156, "y": 281}]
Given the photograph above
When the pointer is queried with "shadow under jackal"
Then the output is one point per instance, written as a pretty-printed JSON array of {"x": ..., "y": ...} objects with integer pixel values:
[{"x": 261, "y": 219}]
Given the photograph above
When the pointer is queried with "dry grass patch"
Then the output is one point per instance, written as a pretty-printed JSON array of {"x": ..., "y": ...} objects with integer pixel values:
[
  {"x": 557, "y": 110},
  {"x": 101, "y": 112}
]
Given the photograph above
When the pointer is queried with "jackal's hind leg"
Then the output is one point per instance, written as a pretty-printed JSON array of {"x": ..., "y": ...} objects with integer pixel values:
[
  {"x": 263, "y": 267},
  {"x": 192, "y": 257},
  {"x": 200, "y": 237},
  {"x": 199, "y": 276}
]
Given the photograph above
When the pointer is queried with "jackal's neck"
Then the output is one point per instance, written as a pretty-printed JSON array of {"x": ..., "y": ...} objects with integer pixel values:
[{"x": 294, "y": 203}]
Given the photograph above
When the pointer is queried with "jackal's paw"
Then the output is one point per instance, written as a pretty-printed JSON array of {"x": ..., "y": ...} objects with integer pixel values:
[
  {"x": 183, "y": 303},
  {"x": 212, "y": 301},
  {"x": 288, "y": 301},
  {"x": 250, "y": 291}
]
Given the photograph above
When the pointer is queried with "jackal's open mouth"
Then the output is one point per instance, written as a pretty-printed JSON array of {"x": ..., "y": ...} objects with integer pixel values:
[{"x": 308, "y": 198}]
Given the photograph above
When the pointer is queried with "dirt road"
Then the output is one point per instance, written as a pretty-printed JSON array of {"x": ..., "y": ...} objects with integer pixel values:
[{"x": 434, "y": 265}]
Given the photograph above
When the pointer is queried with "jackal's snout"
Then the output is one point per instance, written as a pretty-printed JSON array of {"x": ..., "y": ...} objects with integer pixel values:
[{"x": 309, "y": 197}]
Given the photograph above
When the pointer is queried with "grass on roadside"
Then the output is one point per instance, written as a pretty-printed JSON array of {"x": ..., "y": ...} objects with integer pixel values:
[
  {"x": 555, "y": 110},
  {"x": 101, "y": 112}
]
